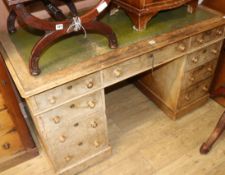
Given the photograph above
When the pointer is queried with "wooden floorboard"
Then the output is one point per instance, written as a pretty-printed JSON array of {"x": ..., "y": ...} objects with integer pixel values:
[{"x": 146, "y": 142}]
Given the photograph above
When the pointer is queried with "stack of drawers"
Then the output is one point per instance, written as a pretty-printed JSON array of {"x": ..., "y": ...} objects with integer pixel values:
[
  {"x": 72, "y": 123},
  {"x": 183, "y": 84}
]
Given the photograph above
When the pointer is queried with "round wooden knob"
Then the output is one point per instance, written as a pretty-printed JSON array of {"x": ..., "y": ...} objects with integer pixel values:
[
  {"x": 68, "y": 158},
  {"x": 205, "y": 88},
  {"x": 200, "y": 40},
  {"x": 97, "y": 143},
  {"x": 181, "y": 47},
  {"x": 91, "y": 104},
  {"x": 69, "y": 87},
  {"x": 192, "y": 78},
  {"x": 6, "y": 146},
  {"x": 187, "y": 97},
  {"x": 80, "y": 143},
  {"x": 76, "y": 125},
  {"x": 72, "y": 106},
  {"x": 219, "y": 32},
  {"x": 210, "y": 69},
  {"x": 117, "y": 72},
  {"x": 214, "y": 51},
  {"x": 195, "y": 60},
  {"x": 56, "y": 119},
  {"x": 62, "y": 138},
  {"x": 90, "y": 84},
  {"x": 52, "y": 100},
  {"x": 94, "y": 124}
]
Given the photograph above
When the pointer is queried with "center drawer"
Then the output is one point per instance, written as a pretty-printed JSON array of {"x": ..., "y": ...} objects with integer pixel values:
[{"x": 144, "y": 62}]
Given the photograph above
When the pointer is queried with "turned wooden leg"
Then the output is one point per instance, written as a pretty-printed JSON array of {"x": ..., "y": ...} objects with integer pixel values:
[
  {"x": 42, "y": 44},
  {"x": 220, "y": 127},
  {"x": 11, "y": 22},
  {"x": 192, "y": 5},
  {"x": 140, "y": 22},
  {"x": 103, "y": 29}
]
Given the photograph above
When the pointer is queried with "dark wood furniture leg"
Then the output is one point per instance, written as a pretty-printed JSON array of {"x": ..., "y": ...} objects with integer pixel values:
[
  {"x": 220, "y": 127},
  {"x": 141, "y": 13}
]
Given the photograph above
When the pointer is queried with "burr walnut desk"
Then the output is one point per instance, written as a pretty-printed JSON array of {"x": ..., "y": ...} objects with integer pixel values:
[{"x": 67, "y": 101}]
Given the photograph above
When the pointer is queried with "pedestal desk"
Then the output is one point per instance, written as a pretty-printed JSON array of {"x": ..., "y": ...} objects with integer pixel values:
[{"x": 67, "y": 101}]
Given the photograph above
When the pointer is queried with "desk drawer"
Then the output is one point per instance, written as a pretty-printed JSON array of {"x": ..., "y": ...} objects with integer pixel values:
[
  {"x": 202, "y": 56},
  {"x": 208, "y": 36},
  {"x": 142, "y": 63},
  {"x": 66, "y": 92},
  {"x": 194, "y": 92},
  {"x": 10, "y": 144},
  {"x": 78, "y": 139},
  {"x": 199, "y": 73},
  {"x": 57, "y": 118}
]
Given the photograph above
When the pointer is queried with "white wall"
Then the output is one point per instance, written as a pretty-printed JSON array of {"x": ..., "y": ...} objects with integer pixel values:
[{"x": 200, "y": 1}]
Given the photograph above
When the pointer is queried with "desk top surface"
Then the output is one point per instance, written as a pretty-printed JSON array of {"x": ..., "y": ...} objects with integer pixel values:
[{"x": 76, "y": 56}]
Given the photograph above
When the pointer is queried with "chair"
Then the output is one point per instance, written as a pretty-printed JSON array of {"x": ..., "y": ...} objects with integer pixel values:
[{"x": 58, "y": 28}]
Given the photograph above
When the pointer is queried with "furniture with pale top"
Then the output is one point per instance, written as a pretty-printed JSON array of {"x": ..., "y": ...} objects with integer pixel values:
[
  {"x": 141, "y": 12},
  {"x": 67, "y": 101}
]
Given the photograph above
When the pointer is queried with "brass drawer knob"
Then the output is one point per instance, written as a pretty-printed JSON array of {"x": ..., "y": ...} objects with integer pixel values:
[
  {"x": 219, "y": 32},
  {"x": 192, "y": 78},
  {"x": 6, "y": 146},
  {"x": 210, "y": 69},
  {"x": 62, "y": 138},
  {"x": 72, "y": 106},
  {"x": 205, "y": 88},
  {"x": 214, "y": 51},
  {"x": 117, "y": 72},
  {"x": 97, "y": 143},
  {"x": 90, "y": 84},
  {"x": 181, "y": 47},
  {"x": 94, "y": 124},
  {"x": 195, "y": 59},
  {"x": 68, "y": 158},
  {"x": 69, "y": 87},
  {"x": 80, "y": 143},
  {"x": 91, "y": 104},
  {"x": 200, "y": 40},
  {"x": 187, "y": 97},
  {"x": 52, "y": 100},
  {"x": 56, "y": 119}
]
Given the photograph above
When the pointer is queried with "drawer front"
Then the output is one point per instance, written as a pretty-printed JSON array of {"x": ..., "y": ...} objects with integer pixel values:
[
  {"x": 10, "y": 144},
  {"x": 194, "y": 92},
  {"x": 199, "y": 73},
  {"x": 2, "y": 103},
  {"x": 6, "y": 122},
  {"x": 208, "y": 36},
  {"x": 66, "y": 92},
  {"x": 202, "y": 56},
  {"x": 57, "y": 118},
  {"x": 142, "y": 63},
  {"x": 78, "y": 139}
]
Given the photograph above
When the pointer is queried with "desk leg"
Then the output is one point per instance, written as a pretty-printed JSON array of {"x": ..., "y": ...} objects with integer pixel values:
[{"x": 220, "y": 127}]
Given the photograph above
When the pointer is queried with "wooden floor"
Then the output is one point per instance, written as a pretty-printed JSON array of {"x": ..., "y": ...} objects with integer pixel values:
[{"x": 146, "y": 142}]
